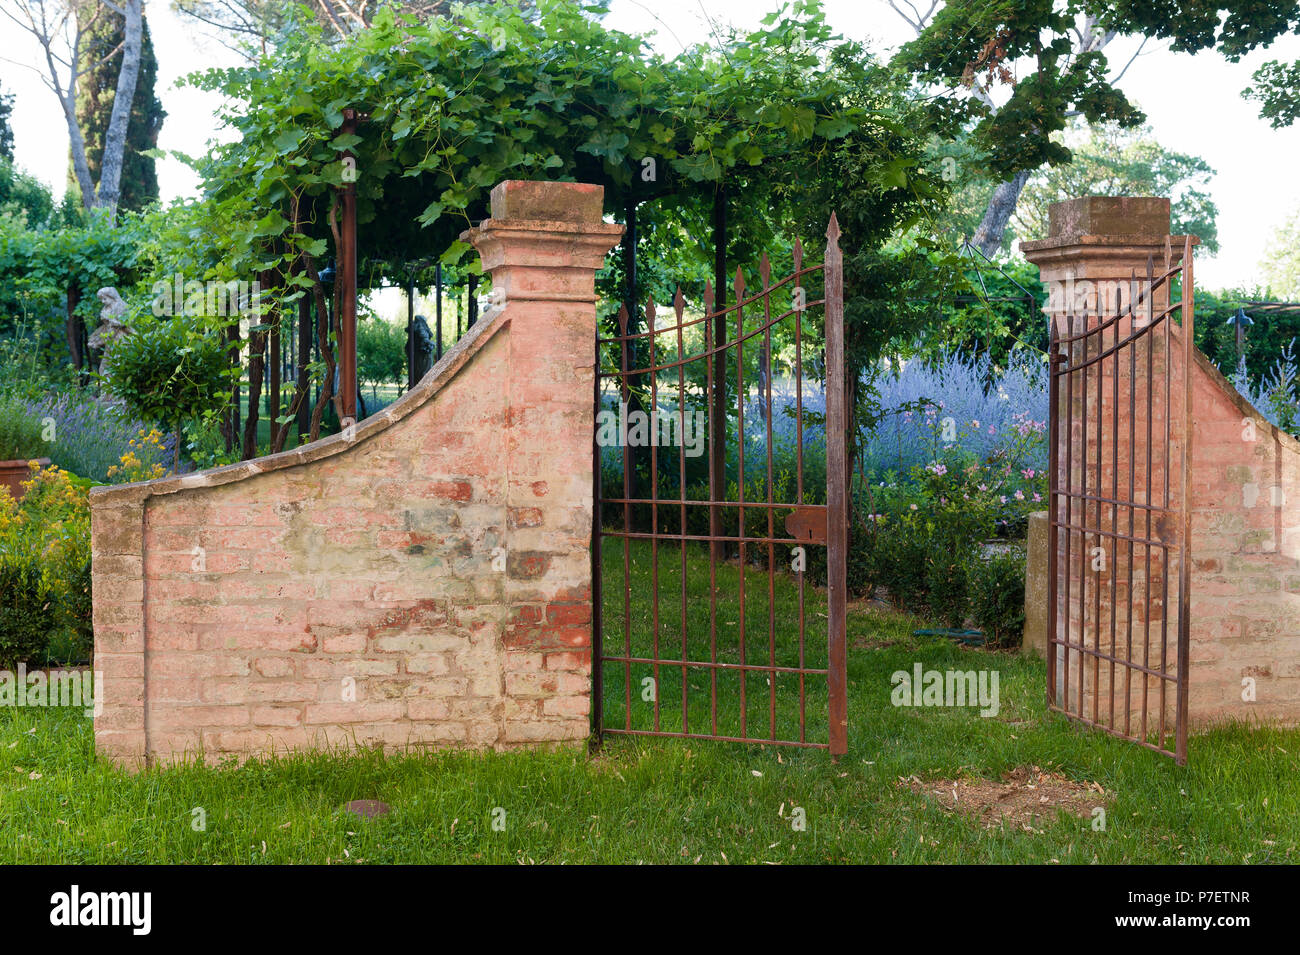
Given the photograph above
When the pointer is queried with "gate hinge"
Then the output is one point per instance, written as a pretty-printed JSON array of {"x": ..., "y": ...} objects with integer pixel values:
[{"x": 808, "y": 524}]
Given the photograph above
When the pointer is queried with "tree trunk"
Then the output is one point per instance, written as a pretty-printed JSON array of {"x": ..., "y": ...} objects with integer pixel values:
[
  {"x": 323, "y": 342},
  {"x": 988, "y": 237},
  {"x": 110, "y": 169},
  {"x": 300, "y": 403}
]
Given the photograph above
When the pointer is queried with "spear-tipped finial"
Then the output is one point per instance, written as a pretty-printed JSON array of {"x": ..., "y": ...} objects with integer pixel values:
[
  {"x": 739, "y": 284},
  {"x": 833, "y": 230},
  {"x": 765, "y": 270},
  {"x": 679, "y": 304},
  {"x": 798, "y": 255},
  {"x": 708, "y": 296},
  {"x": 650, "y": 312},
  {"x": 622, "y": 319}
]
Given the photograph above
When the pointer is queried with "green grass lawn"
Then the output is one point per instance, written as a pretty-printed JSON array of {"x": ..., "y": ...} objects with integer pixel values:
[{"x": 652, "y": 800}]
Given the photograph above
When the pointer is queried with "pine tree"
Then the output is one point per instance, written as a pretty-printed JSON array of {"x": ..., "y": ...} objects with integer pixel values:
[{"x": 139, "y": 184}]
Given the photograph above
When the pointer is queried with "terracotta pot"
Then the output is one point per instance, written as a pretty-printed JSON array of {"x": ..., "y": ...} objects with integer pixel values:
[{"x": 14, "y": 473}]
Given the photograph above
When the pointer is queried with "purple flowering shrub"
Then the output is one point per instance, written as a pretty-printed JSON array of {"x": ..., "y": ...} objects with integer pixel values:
[
  {"x": 89, "y": 437},
  {"x": 924, "y": 406}
]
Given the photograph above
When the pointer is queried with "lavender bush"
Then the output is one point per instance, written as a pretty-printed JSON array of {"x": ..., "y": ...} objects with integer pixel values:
[
  {"x": 89, "y": 436},
  {"x": 1274, "y": 395},
  {"x": 987, "y": 408}
]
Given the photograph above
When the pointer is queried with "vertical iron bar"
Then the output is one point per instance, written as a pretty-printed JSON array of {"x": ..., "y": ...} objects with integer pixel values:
[
  {"x": 740, "y": 495},
  {"x": 798, "y": 468},
  {"x": 1053, "y": 498},
  {"x": 1068, "y": 474},
  {"x": 597, "y": 565},
  {"x": 679, "y": 306},
  {"x": 1115, "y": 498},
  {"x": 836, "y": 477},
  {"x": 623, "y": 394},
  {"x": 1165, "y": 548},
  {"x": 1100, "y": 493},
  {"x": 765, "y": 272},
  {"x": 1132, "y": 348},
  {"x": 718, "y": 397},
  {"x": 1148, "y": 336},
  {"x": 653, "y": 423},
  {"x": 709, "y": 361},
  {"x": 1083, "y": 520},
  {"x": 1185, "y": 547}
]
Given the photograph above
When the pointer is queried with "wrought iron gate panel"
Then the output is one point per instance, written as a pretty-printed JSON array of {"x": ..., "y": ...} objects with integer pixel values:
[
  {"x": 1120, "y": 430},
  {"x": 663, "y": 673}
]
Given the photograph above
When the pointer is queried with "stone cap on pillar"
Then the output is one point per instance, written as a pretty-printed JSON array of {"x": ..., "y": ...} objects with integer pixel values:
[
  {"x": 1117, "y": 230},
  {"x": 545, "y": 240},
  {"x": 1098, "y": 250},
  {"x": 1108, "y": 215},
  {"x": 574, "y": 202}
]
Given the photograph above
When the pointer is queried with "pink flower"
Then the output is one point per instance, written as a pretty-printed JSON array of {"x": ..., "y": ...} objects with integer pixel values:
[
  {"x": 913, "y": 507},
  {"x": 984, "y": 487},
  {"x": 1037, "y": 498},
  {"x": 1020, "y": 495},
  {"x": 1029, "y": 473},
  {"x": 1003, "y": 499}
]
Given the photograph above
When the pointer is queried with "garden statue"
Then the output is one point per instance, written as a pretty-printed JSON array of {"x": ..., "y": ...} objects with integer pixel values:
[
  {"x": 112, "y": 325},
  {"x": 423, "y": 349}
]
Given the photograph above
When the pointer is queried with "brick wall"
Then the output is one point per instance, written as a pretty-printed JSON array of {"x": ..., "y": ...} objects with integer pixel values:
[
  {"x": 1245, "y": 549},
  {"x": 423, "y": 581}
]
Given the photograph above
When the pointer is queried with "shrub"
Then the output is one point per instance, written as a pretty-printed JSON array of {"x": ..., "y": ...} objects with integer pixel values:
[
  {"x": 75, "y": 608},
  {"x": 997, "y": 586},
  {"x": 27, "y": 612},
  {"x": 48, "y": 533},
  {"x": 170, "y": 373},
  {"x": 21, "y": 434}
]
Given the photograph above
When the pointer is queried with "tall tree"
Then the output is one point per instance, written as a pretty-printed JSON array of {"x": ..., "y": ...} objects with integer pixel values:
[
  {"x": 62, "y": 28},
  {"x": 1047, "y": 54},
  {"x": 976, "y": 47},
  {"x": 102, "y": 55}
]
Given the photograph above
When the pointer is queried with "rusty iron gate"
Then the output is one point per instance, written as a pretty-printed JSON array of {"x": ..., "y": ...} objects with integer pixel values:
[
  {"x": 706, "y": 624},
  {"x": 1120, "y": 427}
]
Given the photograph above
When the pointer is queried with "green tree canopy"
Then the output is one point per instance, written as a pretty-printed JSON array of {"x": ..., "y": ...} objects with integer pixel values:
[{"x": 1112, "y": 161}]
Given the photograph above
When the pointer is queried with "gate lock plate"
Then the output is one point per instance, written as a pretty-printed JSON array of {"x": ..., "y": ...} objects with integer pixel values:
[{"x": 807, "y": 524}]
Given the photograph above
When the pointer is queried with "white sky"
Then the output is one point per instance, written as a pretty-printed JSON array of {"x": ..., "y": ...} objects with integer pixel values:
[{"x": 1192, "y": 103}]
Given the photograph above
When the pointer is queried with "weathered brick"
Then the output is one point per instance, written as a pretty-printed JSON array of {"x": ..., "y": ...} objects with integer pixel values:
[{"x": 370, "y": 567}]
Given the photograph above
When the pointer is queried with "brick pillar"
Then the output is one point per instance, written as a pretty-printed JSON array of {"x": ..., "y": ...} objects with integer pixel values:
[
  {"x": 1094, "y": 263},
  {"x": 117, "y": 543},
  {"x": 543, "y": 246}
]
